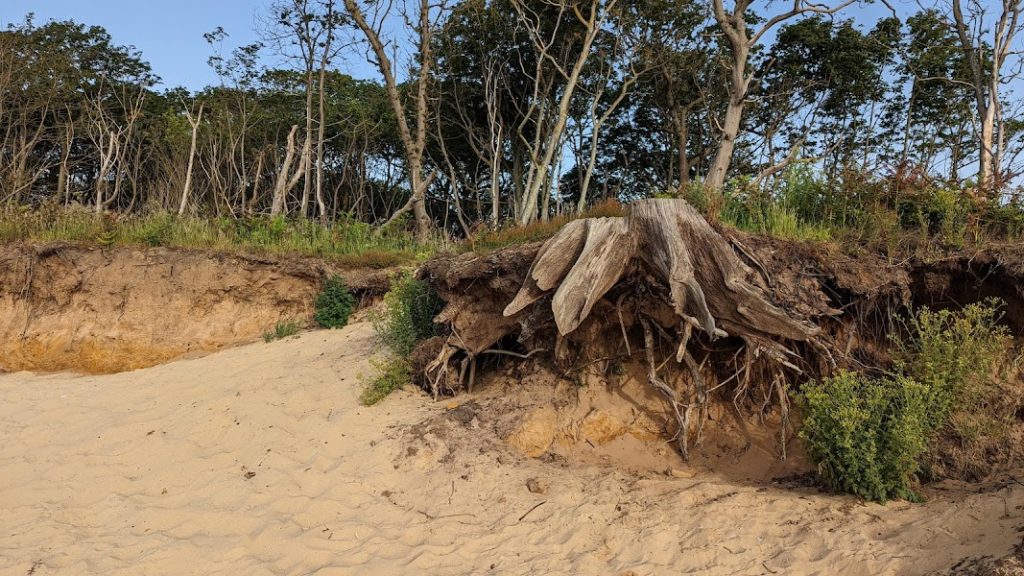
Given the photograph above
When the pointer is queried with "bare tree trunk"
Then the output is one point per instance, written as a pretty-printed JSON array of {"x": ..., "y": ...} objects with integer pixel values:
[
  {"x": 552, "y": 142},
  {"x": 186, "y": 190},
  {"x": 413, "y": 143},
  {"x": 986, "y": 83},
  {"x": 65, "y": 157},
  {"x": 734, "y": 26},
  {"x": 321, "y": 129},
  {"x": 286, "y": 180},
  {"x": 727, "y": 141}
]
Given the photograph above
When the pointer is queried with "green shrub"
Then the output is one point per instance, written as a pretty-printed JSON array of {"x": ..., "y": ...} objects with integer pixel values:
[
  {"x": 871, "y": 437},
  {"x": 406, "y": 318},
  {"x": 334, "y": 304},
  {"x": 959, "y": 356},
  {"x": 281, "y": 330},
  {"x": 866, "y": 434},
  {"x": 393, "y": 374},
  {"x": 408, "y": 314}
]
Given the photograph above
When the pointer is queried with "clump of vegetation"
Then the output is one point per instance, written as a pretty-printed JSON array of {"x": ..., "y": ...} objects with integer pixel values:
[
  {"x": 866, "y": 434},
  {"x": 407, "y": 317},
  {"x": 494, "y": 239},
  {"x": 966, "y": 363},
  {"x": 392, "y": 374},
  {"x": 345, "y": 241},
  {"x": 871, "y": 436},
  {"x": 333, "y": 304},
  {"x": 282, "y": 329},
  {"x": 408, "y": 314}
]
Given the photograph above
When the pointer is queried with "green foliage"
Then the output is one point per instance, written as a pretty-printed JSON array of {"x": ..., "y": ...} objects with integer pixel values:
[
  {"x": 407, "y": 318},
  {"x": 904, "y": 212},
  {"x": 957, "y": 356},
  {"x": 870, "y": 436},
  {"x": 793, "y": 212},
  {"x": 281, "y": 330},
  {"x": 393, "y": 374},
  {"x": 408, "y": 314},
  {"x": 937, "y": 212},
  {"x": 866, "y": 434},
  {"x": 333, "y": 304}
]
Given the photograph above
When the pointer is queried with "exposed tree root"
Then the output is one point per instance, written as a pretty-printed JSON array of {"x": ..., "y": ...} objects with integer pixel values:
[{"x": 721, "y": 316}]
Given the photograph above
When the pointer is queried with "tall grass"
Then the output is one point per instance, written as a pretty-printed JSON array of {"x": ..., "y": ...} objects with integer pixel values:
[
  {"x": 345, "y": 241},
  {"x": 895, "y": 214}
]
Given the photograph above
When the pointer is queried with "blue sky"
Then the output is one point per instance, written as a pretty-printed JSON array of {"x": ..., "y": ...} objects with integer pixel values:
[{"x": 168, "y": 32}]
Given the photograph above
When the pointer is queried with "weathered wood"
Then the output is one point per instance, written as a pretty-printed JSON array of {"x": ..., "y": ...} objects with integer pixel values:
[
  {"x": 706, "y": 281},
  {"x": 554, "y": 260},
  {"x": 600, "y": 265}
]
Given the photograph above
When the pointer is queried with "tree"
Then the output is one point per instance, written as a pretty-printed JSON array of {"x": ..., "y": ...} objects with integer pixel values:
[
  {"x": 986, "y": 62},
  {"x": 413, "y": 137},
  {"x": 741, "y": 40}
]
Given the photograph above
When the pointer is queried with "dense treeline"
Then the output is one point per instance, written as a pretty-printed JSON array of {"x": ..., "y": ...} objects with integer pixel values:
[{"x": 518, "y": 110}]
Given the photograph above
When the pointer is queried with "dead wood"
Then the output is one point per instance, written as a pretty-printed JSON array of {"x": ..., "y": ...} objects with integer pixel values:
[
  {"x": 672, "y": 243},
  {"x": 685, "y": 277},
  {"x": 718, "y": 315}
]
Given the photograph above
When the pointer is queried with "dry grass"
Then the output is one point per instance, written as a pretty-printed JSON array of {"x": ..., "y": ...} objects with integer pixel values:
[{"x": 495, "y": 239}]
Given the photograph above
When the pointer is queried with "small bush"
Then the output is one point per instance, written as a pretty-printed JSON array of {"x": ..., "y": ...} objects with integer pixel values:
[
  {"x": 408, "y": 315},
  {"x": 963, "y": 359},
  {"x": 950, "y": 406},
  {"x": 867, "y": 434},
  {"x": 406, "y": 319},
  {"x": 393, "y": 374},
  {"x": 281, "y": 330},
  {"x": 334, "y": 304}
]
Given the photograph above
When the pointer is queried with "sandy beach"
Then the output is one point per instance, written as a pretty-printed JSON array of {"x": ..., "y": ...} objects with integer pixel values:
[{"x": 260, "y": 460}]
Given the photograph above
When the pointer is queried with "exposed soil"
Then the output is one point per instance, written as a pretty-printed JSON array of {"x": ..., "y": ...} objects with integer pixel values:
[
  {"x": 856, "y": 301},
  {"x": 558, "y": 460},
  {"x": 95, "y": 310}
]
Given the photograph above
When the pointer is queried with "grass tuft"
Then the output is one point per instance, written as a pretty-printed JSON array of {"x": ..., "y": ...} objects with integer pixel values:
[{"x": 281, "y": 330}]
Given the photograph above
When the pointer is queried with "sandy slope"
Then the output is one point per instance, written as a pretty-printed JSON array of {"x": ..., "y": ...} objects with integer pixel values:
[{"x": 259, "y": 460}]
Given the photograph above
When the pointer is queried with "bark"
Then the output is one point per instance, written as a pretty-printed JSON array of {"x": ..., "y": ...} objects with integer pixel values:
[
  {"x": 186, "y": 190},
  {"x": 734, "y": 26},
  {"x": 544, "y": 154},
  {"x": 986, "y": 83},
  {"x": 286, "y": 180}
]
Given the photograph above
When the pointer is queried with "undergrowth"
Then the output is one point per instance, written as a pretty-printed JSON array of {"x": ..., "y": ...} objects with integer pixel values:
[
  {"x": 493, "y": 239},
  {"x": 405, "y": 318},
  {"x": 947, "y": 405},
  {"x": 866, "y": 434},
  {"x": 334, "y": 303},
  {"x": 282, "y": 329},
  {"x": 900, "y": 213},
  {"x": 347, "y": 241},
  {"x": 965, "y": 360}
]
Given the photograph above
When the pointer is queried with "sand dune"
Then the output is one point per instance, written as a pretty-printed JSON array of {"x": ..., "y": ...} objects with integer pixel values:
[{"x": 259, "y": 460}]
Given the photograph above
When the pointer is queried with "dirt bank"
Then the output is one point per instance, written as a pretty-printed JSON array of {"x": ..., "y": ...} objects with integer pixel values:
[
  {"x": 855, "y": 303},
  {"x": 96, "y": 310},
  {"x": 259, "y": 460}
]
